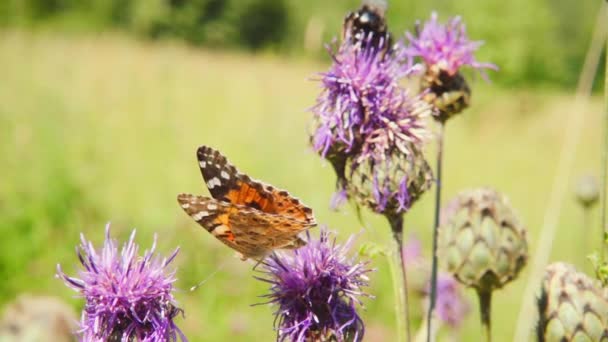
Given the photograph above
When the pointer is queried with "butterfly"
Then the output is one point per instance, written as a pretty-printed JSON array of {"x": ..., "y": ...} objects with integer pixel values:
[{"x": 247, "y": 215}]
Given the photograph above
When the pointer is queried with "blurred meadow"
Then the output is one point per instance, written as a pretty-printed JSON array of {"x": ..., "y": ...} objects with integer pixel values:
[{"x": 99, "y": 125}]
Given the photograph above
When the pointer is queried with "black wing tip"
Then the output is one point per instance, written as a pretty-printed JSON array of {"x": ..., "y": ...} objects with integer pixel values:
[
  {"x": 204, "y": 150},
  {"x": 204, "y": 153}
]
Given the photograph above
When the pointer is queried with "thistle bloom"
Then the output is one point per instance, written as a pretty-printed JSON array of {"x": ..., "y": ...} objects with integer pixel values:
[
  {"x": 128, "y": 297},
  {"x": 317, "y": 288},
  {"x": 444, "y": 49},
  {"x": 361, "y": 96},
  {"x": 446, "y": 46},
  {"x": 364, "y": 116}
]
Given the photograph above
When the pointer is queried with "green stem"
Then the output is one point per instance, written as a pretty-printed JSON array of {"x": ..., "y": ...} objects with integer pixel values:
[
  {"x": 586, "y": 226},
  {"x": 400, "y": 279},
  {"x": 485, "y": 311},
  {"x": 438, "y": 185},
  {"x": 604, "y": 156},
  {"x": 398, "y": 293}
]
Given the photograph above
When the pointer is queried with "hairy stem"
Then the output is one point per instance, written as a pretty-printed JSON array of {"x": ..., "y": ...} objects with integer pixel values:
[
  {"x": 433, "y": 295},
  {"x": 485, "y": 311},
  {"x": 396, "y": 222}
]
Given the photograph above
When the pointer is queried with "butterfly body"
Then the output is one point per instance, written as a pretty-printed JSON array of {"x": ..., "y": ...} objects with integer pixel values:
[{"x": 249, "y": 216}]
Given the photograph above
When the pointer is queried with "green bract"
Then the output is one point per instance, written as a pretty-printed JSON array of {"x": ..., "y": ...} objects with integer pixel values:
[
  {"x": 571, "y": 306},
  {"x": 482, "y": 242}
]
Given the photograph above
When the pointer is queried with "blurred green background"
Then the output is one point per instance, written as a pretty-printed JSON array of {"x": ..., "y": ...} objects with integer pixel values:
[{"x": 104, "y": 102}]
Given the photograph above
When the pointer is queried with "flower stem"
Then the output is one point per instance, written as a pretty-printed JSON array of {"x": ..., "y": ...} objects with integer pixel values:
[
  {"x": 604, "y": 157},
  {"x": 433, "y": 296},
  {"x": 402, "y": 308},
  {"x": 586, "y": 220},
  {"x": 485, "y": 311}
]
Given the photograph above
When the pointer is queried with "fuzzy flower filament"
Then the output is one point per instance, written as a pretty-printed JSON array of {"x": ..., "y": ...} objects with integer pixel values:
[
  {"x": 317, "y": 289},
  {"x": 128, "y": 297}
]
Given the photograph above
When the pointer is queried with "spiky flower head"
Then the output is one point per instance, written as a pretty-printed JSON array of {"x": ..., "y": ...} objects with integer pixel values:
[
  {"x": 363, "y": 109},
  {"x": 128, "y": 297},
  {"x": 445, "y": 49},
  {"x": 317, "y": 289},
  {"x": 571, "y": 306},
  {"x": 362, "y": 96},
  {"x": 587, "y": 191},
  {"x": 483, "y": 243},
  {"x": 446, "y": 46}
]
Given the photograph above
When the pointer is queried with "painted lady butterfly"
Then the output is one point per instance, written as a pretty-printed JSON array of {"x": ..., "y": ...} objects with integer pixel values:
[{"x": 250, "y": 217}]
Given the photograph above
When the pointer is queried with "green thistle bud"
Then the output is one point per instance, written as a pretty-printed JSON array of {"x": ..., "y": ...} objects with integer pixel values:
[
  {"x": 571, "y": 306},
  {"x": 482, "y": 242},
  {"x": 390, "y": 186}
]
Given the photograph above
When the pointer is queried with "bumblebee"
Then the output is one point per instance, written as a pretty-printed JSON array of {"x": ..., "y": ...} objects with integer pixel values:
[
  {"x": 450, "y": 94},
  {"x": 369, "y": 19}
]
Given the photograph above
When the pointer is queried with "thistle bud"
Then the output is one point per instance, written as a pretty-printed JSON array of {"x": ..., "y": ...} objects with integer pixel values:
[
  {"x": 483, "y": 242},
  {"x": 571, "y": 306},
  {"x": 389, "y": 186}
]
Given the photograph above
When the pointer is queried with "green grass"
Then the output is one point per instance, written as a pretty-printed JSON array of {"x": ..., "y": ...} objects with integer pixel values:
[{"x": 103, "y": 128}]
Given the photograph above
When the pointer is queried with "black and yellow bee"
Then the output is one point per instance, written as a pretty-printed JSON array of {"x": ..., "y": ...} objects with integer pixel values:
[{"x": 368, "y": 20}]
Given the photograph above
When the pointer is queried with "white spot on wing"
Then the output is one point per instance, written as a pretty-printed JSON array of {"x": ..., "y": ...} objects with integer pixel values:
[
  {"x": 211, "y": 206},
  {"x": 185, "y": 205},
  {"x": 213, "y": 182},
  {"x": 225, "y": 175},
  {"x": 220, "y": 230},
  {"x": 203, "y": 164},
  {"x": 199, "y": 216}
]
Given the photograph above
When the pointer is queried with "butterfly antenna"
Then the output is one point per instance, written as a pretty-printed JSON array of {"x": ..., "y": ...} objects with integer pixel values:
[{"x": 193, "y": 288}]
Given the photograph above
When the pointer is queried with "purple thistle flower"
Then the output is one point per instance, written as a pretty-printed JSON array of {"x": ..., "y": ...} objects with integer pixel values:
[
  {"x": 128, "y": 297},
  {"x": 364, "y": 117},
  {"x": 445, "y": 46},
  {"x": 361, "y": 97},
  {"x": 451, "y": 307},
  {"x": 316, "y": 289}
]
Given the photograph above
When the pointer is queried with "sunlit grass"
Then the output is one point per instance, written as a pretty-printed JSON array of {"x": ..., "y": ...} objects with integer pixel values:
[{"x": 105, "y": 128}]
